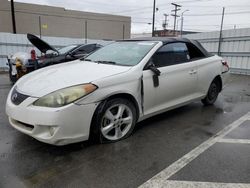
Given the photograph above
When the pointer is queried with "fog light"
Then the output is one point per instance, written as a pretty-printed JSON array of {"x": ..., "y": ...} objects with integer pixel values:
[{"x": 52, "y": 130}]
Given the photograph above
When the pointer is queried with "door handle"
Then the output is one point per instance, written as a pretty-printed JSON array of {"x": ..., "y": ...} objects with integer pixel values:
[{"x": 193, "y": 72}]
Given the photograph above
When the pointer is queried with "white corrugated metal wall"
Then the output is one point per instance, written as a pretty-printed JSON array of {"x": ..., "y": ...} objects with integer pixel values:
[
  {"x": 235, "y": 47},
  {"x": 12, "y": 43}
]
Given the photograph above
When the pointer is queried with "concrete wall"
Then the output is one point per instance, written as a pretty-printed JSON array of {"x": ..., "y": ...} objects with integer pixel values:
[
  {"x": 235, "y": 47},
  {"x": 63, "y": 23}
]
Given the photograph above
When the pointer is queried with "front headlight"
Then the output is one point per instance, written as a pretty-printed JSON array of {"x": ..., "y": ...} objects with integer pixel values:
[{"x": 65, "y": 96}]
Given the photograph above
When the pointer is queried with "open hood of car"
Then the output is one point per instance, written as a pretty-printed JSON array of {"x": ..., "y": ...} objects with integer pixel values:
[{"x": 40, "y": 44}]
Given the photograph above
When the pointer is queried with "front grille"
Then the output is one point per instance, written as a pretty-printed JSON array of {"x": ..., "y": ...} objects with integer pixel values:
[
  {"x": 28, "y": 126},
  {"x": 22, "y": 125},
  {"x": 17, "y": 98}
]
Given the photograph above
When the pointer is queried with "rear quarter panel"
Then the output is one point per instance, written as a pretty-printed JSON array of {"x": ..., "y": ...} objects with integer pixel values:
[{"x": 208, "y": 69}]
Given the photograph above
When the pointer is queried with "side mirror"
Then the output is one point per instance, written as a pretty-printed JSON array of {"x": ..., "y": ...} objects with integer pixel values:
[
  {"x": 71, "y": 54},
  {"x": 157, "y": 73},
  {"x": 69, "y": 57},
  {"x": 153, "y": 68}
]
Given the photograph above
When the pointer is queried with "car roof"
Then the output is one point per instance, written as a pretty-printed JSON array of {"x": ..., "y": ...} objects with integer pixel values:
[
  {"x": 166, "y": 40},
  {"x": 160, "y": 39}
]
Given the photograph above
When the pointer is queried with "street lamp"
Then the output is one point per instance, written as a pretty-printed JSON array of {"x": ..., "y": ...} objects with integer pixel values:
[
  {"x": 182, "y": 20},
  {"x": 177, "y": 26}
]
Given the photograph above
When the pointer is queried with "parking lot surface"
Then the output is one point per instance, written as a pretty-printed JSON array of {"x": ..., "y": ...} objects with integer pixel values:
[{"x": 192, "y": 146}]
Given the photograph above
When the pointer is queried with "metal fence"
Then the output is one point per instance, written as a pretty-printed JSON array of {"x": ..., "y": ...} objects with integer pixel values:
[
  {"x": 235, "y": 47},
  {"x": 12, "y": 43}
]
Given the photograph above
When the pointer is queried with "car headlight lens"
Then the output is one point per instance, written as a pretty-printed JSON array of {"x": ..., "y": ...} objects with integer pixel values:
[{"x": 65, "y": 96}]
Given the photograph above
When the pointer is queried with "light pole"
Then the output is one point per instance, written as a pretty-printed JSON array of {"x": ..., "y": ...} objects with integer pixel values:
[
  {"x": 182, "y": 20},
  {"x": 153, "y": 25},
  {"x": 177, "y": 25},
  {"x": 13, "y": 16}
]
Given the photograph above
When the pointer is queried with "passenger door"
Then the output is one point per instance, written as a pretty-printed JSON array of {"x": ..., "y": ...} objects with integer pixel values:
[{"x": 177, "y": 81}]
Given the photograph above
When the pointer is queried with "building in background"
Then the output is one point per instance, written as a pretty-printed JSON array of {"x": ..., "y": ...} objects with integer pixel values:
[
  {"x": 162, "y": 33},
  {"x": 59, "y": 22}
]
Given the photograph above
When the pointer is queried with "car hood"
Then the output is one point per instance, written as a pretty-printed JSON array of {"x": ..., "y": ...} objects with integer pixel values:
[
  {"x": 52, "y": 78},
  {"x": 40, "y": 44}
]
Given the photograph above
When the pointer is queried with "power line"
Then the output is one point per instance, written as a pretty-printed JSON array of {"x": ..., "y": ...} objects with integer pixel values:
[
  {"x": 216, "y": 14},
  {"x": 142, "y": 9},
  {"x": 162, "y": 4}
]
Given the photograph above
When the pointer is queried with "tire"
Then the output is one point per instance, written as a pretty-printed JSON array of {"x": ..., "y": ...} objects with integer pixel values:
[
  {"x": 212, "y": 94},
  {"x": 113, "y": 120}
]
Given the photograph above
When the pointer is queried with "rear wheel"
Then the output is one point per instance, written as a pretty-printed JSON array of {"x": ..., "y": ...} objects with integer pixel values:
[
  {"x": 212, "y": 94},
  {"x": 114, "y": 120}
]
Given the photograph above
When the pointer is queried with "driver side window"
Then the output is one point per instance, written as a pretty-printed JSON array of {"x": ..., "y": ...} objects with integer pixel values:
[{"x": 171, "y": 54}]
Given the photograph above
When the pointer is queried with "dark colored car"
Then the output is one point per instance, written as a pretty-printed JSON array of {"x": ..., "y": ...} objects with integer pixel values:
[{"x": 50, "y": 56}]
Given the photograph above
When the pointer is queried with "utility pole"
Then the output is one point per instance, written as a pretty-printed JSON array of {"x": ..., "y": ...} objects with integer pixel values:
[
  {"x": 164, "y": 25},
  {"x": 86, "y": 32},
  {"x": 176, "y": 9},
  {"x": 153, "y": 23},
  {"x": 13, "y": 16},
  {"x": 221, "y": 28}
]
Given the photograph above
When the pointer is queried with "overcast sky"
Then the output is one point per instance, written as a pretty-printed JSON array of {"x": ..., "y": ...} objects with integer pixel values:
[{"x": 202, "y": 15}]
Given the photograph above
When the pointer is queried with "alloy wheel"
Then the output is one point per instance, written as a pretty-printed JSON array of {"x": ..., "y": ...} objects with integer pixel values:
[{"x": 116, "y": 122}]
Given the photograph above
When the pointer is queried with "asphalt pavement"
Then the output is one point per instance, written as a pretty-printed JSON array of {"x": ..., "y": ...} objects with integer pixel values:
[{"x": 156, "y": 144}]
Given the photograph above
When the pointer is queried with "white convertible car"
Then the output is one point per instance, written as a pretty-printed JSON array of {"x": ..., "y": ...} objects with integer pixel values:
[{"x": 102, "y": 96}]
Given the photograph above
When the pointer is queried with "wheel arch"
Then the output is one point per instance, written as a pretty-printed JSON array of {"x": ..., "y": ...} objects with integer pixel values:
[
  {"x": 218, "y": 79},
  {"x": 100, "y": 106}
]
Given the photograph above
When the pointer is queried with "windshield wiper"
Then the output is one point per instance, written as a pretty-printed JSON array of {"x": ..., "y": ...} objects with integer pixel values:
[
  {"x": 106, "y": 62},
  {"x": 82, "y": 59}
]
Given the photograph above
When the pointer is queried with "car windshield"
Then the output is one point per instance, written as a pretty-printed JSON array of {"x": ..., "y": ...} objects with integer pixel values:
[
  {"x": 66, "y": 49},
  {"x": 127, "y": 53}
]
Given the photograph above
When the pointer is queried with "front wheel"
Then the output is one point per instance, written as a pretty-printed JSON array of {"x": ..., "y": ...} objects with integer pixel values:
[
  {"x": 212, "y": 94},
  {"x": 115, "y": 120}
]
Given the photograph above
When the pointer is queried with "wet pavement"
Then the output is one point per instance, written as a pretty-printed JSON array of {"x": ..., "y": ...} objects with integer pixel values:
[{"x": 156, "y": 143}]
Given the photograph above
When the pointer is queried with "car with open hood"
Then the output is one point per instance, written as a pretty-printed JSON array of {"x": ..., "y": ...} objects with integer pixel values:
[
  {"x": 104, "y": 95},
  {"x": 22, "y": 63}
]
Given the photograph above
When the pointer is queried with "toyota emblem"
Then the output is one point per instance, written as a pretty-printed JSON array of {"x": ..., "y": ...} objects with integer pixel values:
[{"x": 14, "y": 97}]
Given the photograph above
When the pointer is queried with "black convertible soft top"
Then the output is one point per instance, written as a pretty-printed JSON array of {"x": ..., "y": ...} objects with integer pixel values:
[{"x": 166, "y": 40}]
